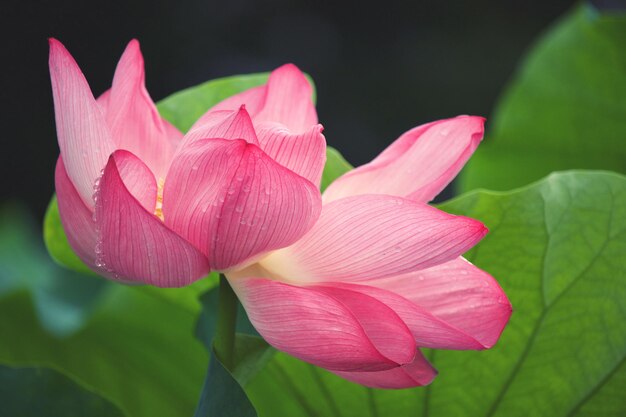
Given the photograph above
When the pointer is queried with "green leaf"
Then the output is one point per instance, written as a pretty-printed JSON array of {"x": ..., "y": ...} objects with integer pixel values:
[
  {"x": 63, "y": 300},
  {"x": 131, "y": 345},
  {"x": 222, "y": 396},
  {"x": 565, "y": 108},
  {"x": 252, "y": 353},
  {"x": 136, "y": 350},
  {"x": 32, "y": 392},
  {"x": 335, "y": 167},
  {"x": 557, "y": 248}
]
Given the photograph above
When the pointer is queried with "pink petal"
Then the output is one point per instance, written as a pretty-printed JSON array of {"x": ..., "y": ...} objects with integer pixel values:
[
  {"x": 382, "y": 325},
  {"x": 374, "y": 236},
  {"x": 415, "y": 374},
  {"x": 135, "y": 246},
  {"x": 332, "y": 329},
  {"x": 458, "y": 293},
  {"x": 173, "y": 135},
  {"x": 253, "y": 99},
  {"x": 223, "y": 124},
  {"x": 303, "y": 153},
  {"x": 76, "y": 217},
  {"x": 427, "y": 330},
  {"x": 233, "y": 202},
  {"x": 134, "y": 120},
  {"x": 289, "y": 100},
  {"x": 138, "y": 179},
  {"x": 83, "y": 135},
  {"x": 418, "y": 165}
]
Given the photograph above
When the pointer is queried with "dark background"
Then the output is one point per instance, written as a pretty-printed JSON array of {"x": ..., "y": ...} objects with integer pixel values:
[{"x": 380, "y": 67}]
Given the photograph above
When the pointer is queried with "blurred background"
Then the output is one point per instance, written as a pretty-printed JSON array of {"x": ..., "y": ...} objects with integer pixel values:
[{"x": 380, "y": 67}]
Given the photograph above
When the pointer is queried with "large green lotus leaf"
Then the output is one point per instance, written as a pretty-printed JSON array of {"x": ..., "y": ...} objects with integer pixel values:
[
  {"x": 136, "y": 350},
  {"x": 132, "y": 346},
  {"x": 565, "y": 108},
  {"x": 33, "y": 392},
  {"x": 558, "y": 249}
]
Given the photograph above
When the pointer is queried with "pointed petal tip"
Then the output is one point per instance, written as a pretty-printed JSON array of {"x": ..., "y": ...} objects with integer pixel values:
[
  {"x": 290, "y": 70},
  {"x": 54, "y": 42},
  {"x": 288, "y": 67},
  {"x": 57, "y": 50}
]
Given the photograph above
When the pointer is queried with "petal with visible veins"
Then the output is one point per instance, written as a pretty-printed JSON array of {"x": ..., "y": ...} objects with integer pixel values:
[
  {"x": 458, "y": 293},
  {"x": 333, "y": 329},
  {"x": 415, "y": 374},
  {"x": 303, "y": 153},
  {"x": 418, "y": 165},
  {"x": 132, "y": 116},
  {"x": 235, "y": 203},
  {"x": 76, "y": 217},
  {"x": 374, "y": 236},
  {"x": 84, "y": 137},
  {"x": 134, "y": 245}
]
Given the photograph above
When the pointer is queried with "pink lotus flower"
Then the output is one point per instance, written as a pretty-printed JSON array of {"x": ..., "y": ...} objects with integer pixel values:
[
  {"x": 356, "y": 286},
  {"x": 380, "y": 274},
  {"x": 140, "y": 202}
]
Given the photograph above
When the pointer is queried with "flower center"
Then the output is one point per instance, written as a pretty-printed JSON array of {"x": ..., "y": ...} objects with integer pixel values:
[{"x": 158, "y": 211}]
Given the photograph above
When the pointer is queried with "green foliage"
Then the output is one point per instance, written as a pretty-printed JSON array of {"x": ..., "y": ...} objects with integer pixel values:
[
  {"x": 132, "y": 346},
  {"x": 335, "y": 167},
  {"x": 221, "y": 395},
  {"x": 565, "y": 108},
  {"x": 62, "y": 299},
  {"x": 29, "y": 392},
  {"x": 557, "y": 248}
]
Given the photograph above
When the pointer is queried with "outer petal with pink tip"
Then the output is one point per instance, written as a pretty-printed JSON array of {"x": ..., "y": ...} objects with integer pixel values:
[
  {"x": 287, "y": 98},
  {"x": 428, "y": 330},
  {"x": 223, "y": 124},
  {"x": 135, "y": 246},
  {"x": 418, "y": 165},
  {"x": 415, "y": 374},
  {"x": 303, "y": 153},
  {"x": 132, "y": 116},
  {"x": 83, "y": 135},
  {"x": 458, "y": 293},
  {"x": 374, "y": 236},
  {"x": 235, "y": 203},
  {"x": 334, "y": 328}
]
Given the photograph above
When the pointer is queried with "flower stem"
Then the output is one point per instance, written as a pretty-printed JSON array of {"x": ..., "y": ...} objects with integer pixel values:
[{"x": 224, "y": 342}]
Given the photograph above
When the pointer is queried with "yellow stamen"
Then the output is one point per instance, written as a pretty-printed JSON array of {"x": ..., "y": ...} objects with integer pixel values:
[{"x": 159, "y": 203}]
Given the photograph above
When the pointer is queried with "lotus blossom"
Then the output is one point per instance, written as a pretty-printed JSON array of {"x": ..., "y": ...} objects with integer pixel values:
[
  {"x": 380, "y": 274},
  {"x": 355, "y": 280},
  {"x": 140, "y": 202}
]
